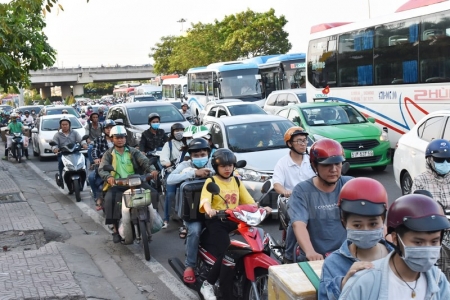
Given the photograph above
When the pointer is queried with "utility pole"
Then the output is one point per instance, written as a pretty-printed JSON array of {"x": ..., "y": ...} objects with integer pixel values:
[
  {"x": 368, "y": 2},
  {"x": 182, "y": 21}
]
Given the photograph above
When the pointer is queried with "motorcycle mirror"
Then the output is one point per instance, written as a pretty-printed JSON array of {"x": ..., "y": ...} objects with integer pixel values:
[
  {"x": 241, "y": 164},
  {"x": 52, "y": 143},
  {"x": 85, "y": 137},
  {"x": 423, "y": 192},
  {"x": 266, "y": 186},
  {"x": 213, "y": 188},
  {"x": 345, "y": 168},
  {"x": 108, "y": 168}
]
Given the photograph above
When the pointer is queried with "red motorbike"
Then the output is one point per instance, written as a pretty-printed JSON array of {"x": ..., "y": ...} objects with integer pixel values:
[{"x": 246, "y": 263}]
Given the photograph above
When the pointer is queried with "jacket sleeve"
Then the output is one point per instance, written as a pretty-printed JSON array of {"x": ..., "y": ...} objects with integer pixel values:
[
  {"x": 142, "y": 143},
  {"x": 363, "y": 285},
  {"x": 330, "y": 285},
  {"x": 106, "y": 160},
  {"x": 176, "y": 177},
  {"x": 164, "y": 157},
  {"x": 144, "y": 162}
]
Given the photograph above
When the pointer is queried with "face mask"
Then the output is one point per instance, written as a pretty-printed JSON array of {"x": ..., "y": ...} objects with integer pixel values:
[
  {"x": 155, "y": 126},
  {"x": 365, "y": 239},
  {"x": 178, "y": 135},
  {"x": 200, "y": 162},
  {"x": 442, "y": 168},
  {"x": 420, "y": 259}
]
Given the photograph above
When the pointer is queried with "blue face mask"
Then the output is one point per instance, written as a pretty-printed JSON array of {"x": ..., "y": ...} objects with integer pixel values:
[
  {"x": 365, "y": 239},
  {"x": 200, "y": 162},
  {"x": 442, "y": 168},
  {"x": 155, "y": 126}
]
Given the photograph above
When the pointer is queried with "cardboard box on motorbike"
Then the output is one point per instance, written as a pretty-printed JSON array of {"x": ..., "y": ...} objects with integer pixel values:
[{"x": 290, "y": 282}]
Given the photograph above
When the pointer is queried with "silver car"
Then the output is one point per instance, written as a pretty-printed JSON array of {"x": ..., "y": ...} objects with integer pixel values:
[{"x": 282, "y": 98}]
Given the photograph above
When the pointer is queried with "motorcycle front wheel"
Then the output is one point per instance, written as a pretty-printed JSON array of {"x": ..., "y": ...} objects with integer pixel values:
[
  {"x": 19, "y": 154},
  {"x": 144, "y": 237},
  {"x": 262, "y": 284},
  {"x": 76, "y": 190}
]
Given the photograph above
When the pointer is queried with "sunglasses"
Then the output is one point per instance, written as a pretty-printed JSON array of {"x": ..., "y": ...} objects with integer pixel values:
[{"x": 440, "y": 160}]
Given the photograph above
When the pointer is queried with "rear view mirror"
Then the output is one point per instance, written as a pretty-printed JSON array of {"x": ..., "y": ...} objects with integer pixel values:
[
  {"x": 52, "y": 143},
  {"x": 266, "y": 186},
  {"x": 213, "y": 188},
  {"x": 241, "y": 164}
]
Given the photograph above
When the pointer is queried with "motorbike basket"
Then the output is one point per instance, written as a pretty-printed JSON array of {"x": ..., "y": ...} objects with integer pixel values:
[{"x": 137, "y": 198}]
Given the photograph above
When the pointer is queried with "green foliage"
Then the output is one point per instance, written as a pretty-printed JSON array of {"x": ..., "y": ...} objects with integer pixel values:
[
  {"x": 70, "y": 100},
  {"x": 41, "y": 102},
  {"x": 37, "y": 96},
  {"x": 239, "y": 36},
  {"x": 28, "y": 101},
  {"x": 95, "y": 89},
  {"x": 47, "y": 102}
]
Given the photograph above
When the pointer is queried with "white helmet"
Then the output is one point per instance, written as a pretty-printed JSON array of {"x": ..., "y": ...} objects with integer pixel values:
[
  {"x": 14, "y": 115},
  {"x": 118, "y": 130},
  {"x": 65, "y": 118}
]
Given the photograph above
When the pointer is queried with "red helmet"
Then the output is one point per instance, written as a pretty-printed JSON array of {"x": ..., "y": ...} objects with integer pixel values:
[
  {"x": 363, "y": 196},
  {"x": 418, "y": 213},
  {"x": 326, "y": 151}
]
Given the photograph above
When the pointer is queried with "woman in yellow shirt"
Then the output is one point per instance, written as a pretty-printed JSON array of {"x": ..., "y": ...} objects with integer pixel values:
[{"x": 234, "y": 192}]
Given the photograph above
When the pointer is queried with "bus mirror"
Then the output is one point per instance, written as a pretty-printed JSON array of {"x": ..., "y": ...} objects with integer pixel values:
[{"x": 371, "y": 119}]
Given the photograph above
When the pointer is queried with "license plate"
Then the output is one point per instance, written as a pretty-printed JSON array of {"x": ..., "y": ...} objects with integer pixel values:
[{"x": 367, "y": 153}]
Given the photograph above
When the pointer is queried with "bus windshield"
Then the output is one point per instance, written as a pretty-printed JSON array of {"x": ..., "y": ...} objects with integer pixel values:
[{"x": 242, "y": 84}]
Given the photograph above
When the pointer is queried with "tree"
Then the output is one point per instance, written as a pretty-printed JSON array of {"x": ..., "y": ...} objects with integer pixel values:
[
  {"x": 41, "y": 102},
  {"x": 47, "y": 102},
  {"x": 162, "y": 52}
]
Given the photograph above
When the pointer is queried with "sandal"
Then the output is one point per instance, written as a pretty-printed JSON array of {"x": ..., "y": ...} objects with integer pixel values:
[
  {"x": 182, "y": 232},
  {"x": 189, "y": 275},
  {"x": 99, "y": 204}
]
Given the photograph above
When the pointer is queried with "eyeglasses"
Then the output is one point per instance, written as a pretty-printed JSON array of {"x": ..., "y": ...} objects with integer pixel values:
[
  {"x": 440, "y": 160},
  {"x": 300, "y": 142}
]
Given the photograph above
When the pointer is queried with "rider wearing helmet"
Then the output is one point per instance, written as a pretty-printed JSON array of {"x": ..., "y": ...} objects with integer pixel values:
[
  {"x": 436, "y": 178},
  {"x": 63, "y": 137},
  {"x": 15, "y": 126},
  {"x": 94, "y": 130},
  {"x": 27, "y": 119},
  {"x": 416, "y": 223},
  {"x": 198, "y": 167},
  {"x": 89, "y": 111},
  {"x": 313, "y": 204},
  {"x": 291, "y": 169},
  {"x": 126, "y": 161},
  {"x": 101, "y": 144},
  {"x": 363, "y": 204},
  {"x": 154, "y": 137}
]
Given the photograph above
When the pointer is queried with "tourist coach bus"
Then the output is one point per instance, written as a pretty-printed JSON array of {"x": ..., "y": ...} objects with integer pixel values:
[
  {"x": 224, "y": 80},
  {"x": 395, "y": 68}
]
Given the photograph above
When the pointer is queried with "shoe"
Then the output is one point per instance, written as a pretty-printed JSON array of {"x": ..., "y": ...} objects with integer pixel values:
[
  {"x": 116, "y": 238},
  {"x": 99, "y": 204},
  {"x": 4, "y": 158},
  {"x": 70, "y": 192},
  {"x": 182, "y": 232},
  {"x": 207, "y": 291},
  {"x": 165, "y": 225}
]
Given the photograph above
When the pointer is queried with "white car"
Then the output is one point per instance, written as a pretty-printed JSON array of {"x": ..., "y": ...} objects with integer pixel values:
[
  {"x": 228, "y": 109},
  {"x": 45, "y": 130},
  {"x": 409, "y": 157},
  {"x": 281, "y": 98},
  {"x": 210, "y": 104}
]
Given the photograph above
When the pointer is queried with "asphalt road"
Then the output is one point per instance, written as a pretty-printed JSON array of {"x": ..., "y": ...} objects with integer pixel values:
[{"x": 167, "y": 244}]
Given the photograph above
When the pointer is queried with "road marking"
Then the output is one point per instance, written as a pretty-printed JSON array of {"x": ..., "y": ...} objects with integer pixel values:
[{"x": 171, "y": 282}]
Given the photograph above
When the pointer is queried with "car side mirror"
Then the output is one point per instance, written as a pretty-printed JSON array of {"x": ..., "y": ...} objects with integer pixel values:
[{"x": 34, "y": 130}]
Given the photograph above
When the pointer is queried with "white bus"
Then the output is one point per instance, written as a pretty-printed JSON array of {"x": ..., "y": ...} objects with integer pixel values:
[
  {"x": 224, "y": 80},
  {"x": 174, "y": 89},
  {"x": 149, "y": 89},
  {"x": 395, "y": 68}
]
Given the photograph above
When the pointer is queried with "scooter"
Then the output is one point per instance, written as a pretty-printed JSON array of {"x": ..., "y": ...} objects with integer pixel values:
[
  {"x": 136, "y": 217},
  {"x": 247, "y": 262},
  {"x": 18, "y": 147},
  {"x": 74, "y": 171}
]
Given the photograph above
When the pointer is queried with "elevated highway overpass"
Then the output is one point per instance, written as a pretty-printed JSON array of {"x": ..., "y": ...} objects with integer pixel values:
[{"x": 75, "y": 78}]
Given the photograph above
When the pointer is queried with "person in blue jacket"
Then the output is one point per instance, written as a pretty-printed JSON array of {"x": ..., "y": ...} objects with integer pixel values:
[
  {"x": 363, "y": 204},
  {"x": 416, "y": 223}
]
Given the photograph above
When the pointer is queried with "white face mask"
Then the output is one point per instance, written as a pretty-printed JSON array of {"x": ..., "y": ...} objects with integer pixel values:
[
  {"x": 420, "y": 259},
  {"x": 178, "y": 135}
]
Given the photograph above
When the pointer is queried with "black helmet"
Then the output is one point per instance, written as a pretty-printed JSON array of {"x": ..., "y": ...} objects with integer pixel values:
[
  {"x": 175, "y": 127},
  {"x": 198, "y": 144},
  {"x": 26, "y": 112},
  {"x": 152, "y": 116},
  {"x": 222, "y": 157}
]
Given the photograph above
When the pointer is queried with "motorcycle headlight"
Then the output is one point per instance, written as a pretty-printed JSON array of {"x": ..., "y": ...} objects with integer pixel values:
[
  {"x": 252, "y": 175},
  {"x": 251, "y": 218},
  {"x": 134, "y": 180},
  {"x": 384, "y": 137}
]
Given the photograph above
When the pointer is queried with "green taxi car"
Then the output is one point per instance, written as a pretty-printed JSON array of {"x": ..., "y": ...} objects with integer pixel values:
[{"x": 365, "y": 144}]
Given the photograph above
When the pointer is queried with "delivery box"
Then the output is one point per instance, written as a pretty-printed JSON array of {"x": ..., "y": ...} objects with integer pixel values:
[{"x": 298, "y": 281}]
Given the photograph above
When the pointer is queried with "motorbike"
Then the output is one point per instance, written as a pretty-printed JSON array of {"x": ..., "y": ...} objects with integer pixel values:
[
  {"x": 74, "y": 171},
  {"x": 18, "y": 147},
  {"x": 248, "y": 261},
  {"x": 136, "y": 217},
  {"x": 193, "y": 120}
]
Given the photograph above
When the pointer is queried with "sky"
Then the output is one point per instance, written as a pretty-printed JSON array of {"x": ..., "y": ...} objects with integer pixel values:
[{"x": 110, "y": 32}]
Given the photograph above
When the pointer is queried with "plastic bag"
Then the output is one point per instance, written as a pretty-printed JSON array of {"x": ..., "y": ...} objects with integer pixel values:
[{"x": 157, "y": 221}]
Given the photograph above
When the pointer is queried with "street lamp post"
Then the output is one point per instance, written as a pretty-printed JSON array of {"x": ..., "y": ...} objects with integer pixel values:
[{"x": 182, "y": 20}]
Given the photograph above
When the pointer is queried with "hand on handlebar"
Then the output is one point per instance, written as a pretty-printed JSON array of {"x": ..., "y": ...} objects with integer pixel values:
[
  {"x": 211, "y": 212},
  {"x": 154, "y": 174},
  {"x": 314, "y": 256},
  {"x": 111, "y": 181},
  {"x": 56, "y": 150},
  {"x": 287, "y": 193},
  {"x": 97, "y": 161},
  {"x": 204, "y": 172}
]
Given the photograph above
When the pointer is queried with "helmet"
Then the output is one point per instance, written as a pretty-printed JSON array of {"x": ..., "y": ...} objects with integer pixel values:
[
  {"x": 176, "y": 126},
  {"x": 109, "y": 123},
  {"x": 198, "y": 144},
  {"x": 118, "y": 130},
  {"x": 438, "y": 148},
  {"x": 64, "y": 118},
  {"x": 326, "y": 151},
  {"x": 89, "y": 107},
  {"x": 152, "y": 116},
  {"x": 119, "y": 121},
  {"x": 184, "y": 103},
  {"x": 26, "y": 112},
  {"x": 64, "y": 111},
  {"x": 418, "y": 213},
  {"x": 13, "y": 115},
  {"x": 222, "y": 157},
  {"x": 200, "y": 131},
  {"x": 363, "y": 196},
  {"x": 293, "y": 131}
]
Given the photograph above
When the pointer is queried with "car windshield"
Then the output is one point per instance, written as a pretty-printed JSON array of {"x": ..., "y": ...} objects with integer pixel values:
[
  {"x": 241, "y": 84},
  {"x": 332, "y": 115},
  {"x": 144, "y": 98},
  {"x": 52, "y": 124},
  {"x": 247, "y": 109},
  {"x": 168, "y": 114},
  {"x": 58, "y": 110},
  {"x": 95, "y": 108},
  {"x": 36, "y": 109},
  {"x": 177, "y": 104},
  {"x": 258, "y": 136}
]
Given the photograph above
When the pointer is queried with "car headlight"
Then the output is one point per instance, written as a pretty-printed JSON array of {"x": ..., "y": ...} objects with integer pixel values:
[
  {"x": 252, "y": 175},
  {"x": 384, "y": 137},
  {"x": 318, "y": 137}
]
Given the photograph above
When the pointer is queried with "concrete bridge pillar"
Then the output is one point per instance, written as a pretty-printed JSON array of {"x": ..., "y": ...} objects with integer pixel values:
[
  {"x": 46, "y": 92},
  {"x": 65, "y": 91},
  {"x": 78, "y": 90}
]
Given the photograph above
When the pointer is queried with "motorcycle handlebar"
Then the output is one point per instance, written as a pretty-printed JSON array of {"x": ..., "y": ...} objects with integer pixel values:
[{"x": 221, "y": 214}]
